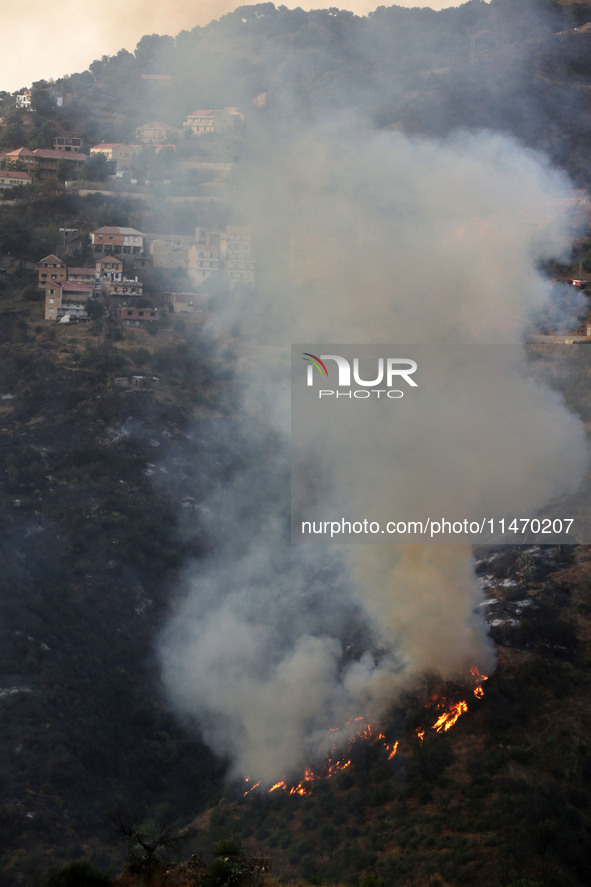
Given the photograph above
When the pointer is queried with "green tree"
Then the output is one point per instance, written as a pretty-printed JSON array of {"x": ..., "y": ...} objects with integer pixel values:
[
  {"x": 96, "y": 168},
  {"x": 94, "y": 309},
  {"x": 65, "y": 171},
  {"x": 42, "y": 100}
]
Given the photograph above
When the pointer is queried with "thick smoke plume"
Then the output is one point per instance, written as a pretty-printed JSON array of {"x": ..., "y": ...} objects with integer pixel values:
[{"x": 364, "y": 238}]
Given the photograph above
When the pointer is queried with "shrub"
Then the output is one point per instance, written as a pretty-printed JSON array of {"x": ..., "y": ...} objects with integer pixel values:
[
  {"x": 228, "y": 847},
  {"x": 370, "y": 879},
  {"x": 79, "y": 873},
  {"x": 223, "y": 873}
]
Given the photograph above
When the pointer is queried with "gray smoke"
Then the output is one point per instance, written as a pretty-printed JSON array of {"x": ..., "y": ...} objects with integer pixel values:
[{"x": 367, "y": 237}]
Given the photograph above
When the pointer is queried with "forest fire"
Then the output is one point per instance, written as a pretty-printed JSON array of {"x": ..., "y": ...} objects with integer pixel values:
[
  {"x": 478, "y": 679},
  {"x": 333, "y": 765},
  {"x": 453, "y": 710},
  {"x": 446, "y": 720},
  {"x": 450, "y": 712}
]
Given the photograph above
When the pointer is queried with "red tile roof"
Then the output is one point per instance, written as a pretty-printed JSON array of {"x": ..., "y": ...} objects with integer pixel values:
[
  {"x": 110, "y": 259},
  {"x": 117, "y": 230},
  {"x": 52, "y": 259},
  {"x": 15, "y": 174},
  {"x": 74, "y": 287},
  {"x": 50, "y": 154},
  {"x": 20, "y": 152}
]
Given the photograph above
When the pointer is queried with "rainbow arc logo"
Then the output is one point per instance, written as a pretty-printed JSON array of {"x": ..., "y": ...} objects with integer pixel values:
[{"x": 315, "y": 362}]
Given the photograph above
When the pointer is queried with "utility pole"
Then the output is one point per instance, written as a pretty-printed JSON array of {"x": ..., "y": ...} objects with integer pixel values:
[{"x": 66, "y": 232}]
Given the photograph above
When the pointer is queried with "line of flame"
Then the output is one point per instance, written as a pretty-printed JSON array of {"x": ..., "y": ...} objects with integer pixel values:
[{"x": 444, "y": 722}]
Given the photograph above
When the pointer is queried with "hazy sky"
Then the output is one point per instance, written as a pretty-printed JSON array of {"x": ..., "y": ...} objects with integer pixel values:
[{"x": 41, "y": 40}]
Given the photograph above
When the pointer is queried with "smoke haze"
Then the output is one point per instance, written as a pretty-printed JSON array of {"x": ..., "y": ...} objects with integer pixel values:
[
  {"x": 366, "y": 237},
  {"x": 80, "y": 35}
]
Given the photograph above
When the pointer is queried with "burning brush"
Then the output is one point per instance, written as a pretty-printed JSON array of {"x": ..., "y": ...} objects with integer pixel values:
[
  {"x": 451, "y": 711},
  {"x": 335, "y": 763}
]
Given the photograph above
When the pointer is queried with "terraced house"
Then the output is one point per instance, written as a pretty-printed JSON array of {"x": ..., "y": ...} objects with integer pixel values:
[
  {"x": 42, "y": 162},
  {"x": 116, "y": 241}
]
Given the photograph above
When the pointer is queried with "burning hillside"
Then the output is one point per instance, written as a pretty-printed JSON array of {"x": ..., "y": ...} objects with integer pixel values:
[{"x": 448, "y": 710}]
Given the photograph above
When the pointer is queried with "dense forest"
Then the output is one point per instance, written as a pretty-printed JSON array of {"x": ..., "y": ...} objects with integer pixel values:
[{"x": 519, "y": 68}]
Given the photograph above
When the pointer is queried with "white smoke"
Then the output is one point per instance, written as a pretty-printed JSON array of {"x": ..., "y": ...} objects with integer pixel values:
[{"x": 368, "y": 238}]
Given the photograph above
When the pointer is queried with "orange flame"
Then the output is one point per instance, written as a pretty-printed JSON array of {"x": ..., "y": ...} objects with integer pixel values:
[
  {"x": 478, "y": 679},
  {"x": 367, "y": 733},
  {"x": 446, "y": 720}
]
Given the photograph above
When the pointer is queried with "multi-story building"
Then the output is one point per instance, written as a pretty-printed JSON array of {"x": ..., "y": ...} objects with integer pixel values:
[
  {"x": 152, "y": 133},
  {"x": 23, "y": 100},
  {"x": 225, "y": 254},
  {"x": 108, "y": 269},
  {"x": 235, "y": 249},
  {"x": 48, "y": 160},
  {"x": 117, "y": 241},
  {"x": 120, "y": 153},
  {"x": 123, "y": 287},
  {"x": 11, "y": 178},
  {"x": 203, "y": 262},
  {"x": 67, "y": 298},
  {"x": 204, "y": 121},
  {"x": 138, "y": 316},
  {"x": 200, "y": 121},
  {"x": 67, "y": 144},
  {"x": 240, "y": 271},
  {"x": 42, "y": 162},
  {"x": 51, "y": 269},
  {"x": 21, "y": 155},
  {"x": 169, "y": 252},
  {"x": 82, "y": 275}
]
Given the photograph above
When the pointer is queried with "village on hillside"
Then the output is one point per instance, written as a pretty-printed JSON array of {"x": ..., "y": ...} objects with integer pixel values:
[
  {"x": 113, "y": 163},
  {"x": 118, "y": 253},
  {"x": 118, "y": 257}
]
